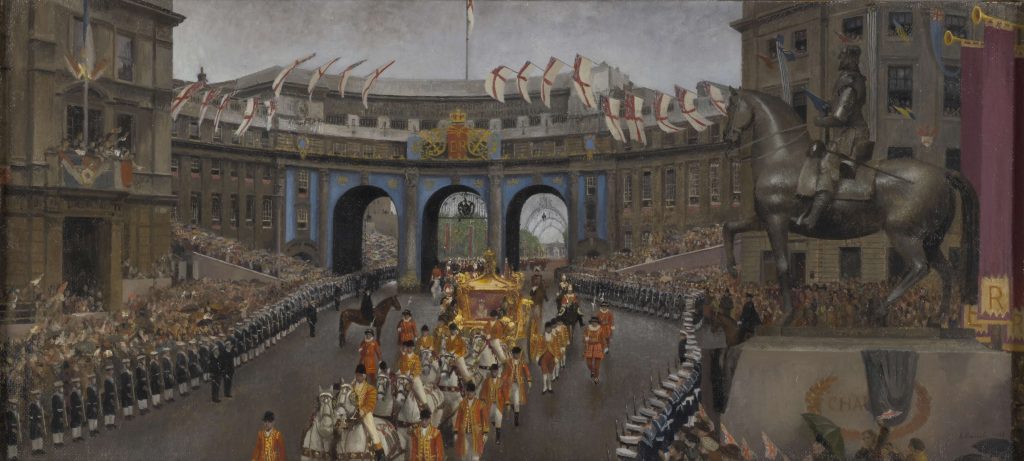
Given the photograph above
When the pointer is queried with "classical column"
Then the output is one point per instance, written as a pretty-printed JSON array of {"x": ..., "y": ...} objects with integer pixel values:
[
  {"x": 279, "y": 205},
  {"x": 408, "y": 279},
  {"x": 611, "y": 210},
  {"x": 324, "y": 213},
  {"x": 573, "y": 207},
  {"x": 495, "y": 220}
]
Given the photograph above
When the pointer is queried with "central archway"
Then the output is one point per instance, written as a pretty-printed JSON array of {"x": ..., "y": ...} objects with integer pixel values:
[
  {"x": 349, "y": 216},
  {"x": 429, "y": 231},
  {"x": 513, "y": 219}
]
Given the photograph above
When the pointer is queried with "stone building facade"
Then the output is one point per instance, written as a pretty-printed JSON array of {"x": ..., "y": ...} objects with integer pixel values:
[
  {"x": 81, "y": 218},
  {"x": 619, "y": 195},
  {"x": 900, "y": 72}
]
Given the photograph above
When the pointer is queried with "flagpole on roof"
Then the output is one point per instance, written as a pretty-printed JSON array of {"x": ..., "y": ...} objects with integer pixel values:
[
  {"x": 469, "y": 5},
  {"x": 88, "y": 65}
]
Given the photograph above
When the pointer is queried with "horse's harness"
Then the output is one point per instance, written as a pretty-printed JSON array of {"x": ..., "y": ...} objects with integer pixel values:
[{"x": 767, "y": 137}]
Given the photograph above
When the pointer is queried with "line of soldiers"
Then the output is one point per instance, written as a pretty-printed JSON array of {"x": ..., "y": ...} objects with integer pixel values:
[
  {"x": 631, "y": 296},
  {"x": 151, "y": 382},
  {"x": 673, "y": 404}
]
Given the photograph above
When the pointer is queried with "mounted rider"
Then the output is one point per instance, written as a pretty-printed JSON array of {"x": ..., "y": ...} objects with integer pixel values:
[
  {"x": 847, "y": 136},
  {"x": 365, "y": 396}
]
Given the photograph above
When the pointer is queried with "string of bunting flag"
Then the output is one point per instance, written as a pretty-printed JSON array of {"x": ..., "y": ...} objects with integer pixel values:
[
  {"x": 700, "y": 108},
  {"x": 269, "y": 102}
]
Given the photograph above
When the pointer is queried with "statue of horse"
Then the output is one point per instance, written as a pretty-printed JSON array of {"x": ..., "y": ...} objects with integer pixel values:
[
  {"x": 319, "y": 436},
  {"x": 353, "y": 442},
  {"x": 385, "y": 398},
  {"x": 380, "y": 314},
  {"x": 914, "y": 202}
]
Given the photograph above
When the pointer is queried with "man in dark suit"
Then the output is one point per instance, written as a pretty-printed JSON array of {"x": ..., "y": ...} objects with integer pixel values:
[
  {"x": 749, "y": 319},
  {"x": 227, "y": 364},
  {"x": 214, "y": 372}
]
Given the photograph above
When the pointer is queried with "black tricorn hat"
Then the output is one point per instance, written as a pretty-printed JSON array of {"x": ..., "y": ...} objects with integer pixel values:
[
  {"x": 424, "y": 328},
  {"x": 408, "y": 344},
  {"x": 360, "y": 369},
  {"x": 268, "y": 416},
  {"x": 516, "y": 350}
]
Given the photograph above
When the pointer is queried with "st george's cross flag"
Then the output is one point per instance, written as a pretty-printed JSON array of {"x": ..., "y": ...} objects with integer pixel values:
[
  {"x": 494, "y": 84},
  {"x": 317, "y": 75},
  {"x": 208, "y": 97},
  {"x": 522, "y": 80},
  {"x": 250, "y": 113},
  {"x": 371, "y": 79},
  {"x": 581, "y": 80},
  {"x": 688, "y": 106},
  {"x": 183, "y": 96},
  {"x": 224, "y": 101},
  {"x": 611, "y": 118},
  {"x": 279, "y": 80},
  {"x": 344, "y": 75},
  {"x": 469, "y": 17},
  {"x": 634, "y": 118},
  {"x": 661, "y": 102},
  {"x": 555, "y": 66}
]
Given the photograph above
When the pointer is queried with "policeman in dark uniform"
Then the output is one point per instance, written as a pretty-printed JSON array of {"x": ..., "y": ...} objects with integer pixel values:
[
  {"x": 213, "y": 371},
  {"x": 194, "y": 370},
  {"x": 141, "y": 385},
  {"x": 109, "y": 398},
  {"x": 58, "y": 414},
  {"x": 127, "y": 390},
  {"x": 12, "y": 428},
  {"x": 92, "y": 406},
  {"x": 168, "y": 374},
  {"x": 36, "y": 423},
  {"x": 204, "y": 360},
  {"x": 76, "y": 410},
  {"x": 156, "y": 381},
  {"x": 181, "y": 370},
  {"x": 311, "y": 318},
  {"x": 227, "y": 363}
]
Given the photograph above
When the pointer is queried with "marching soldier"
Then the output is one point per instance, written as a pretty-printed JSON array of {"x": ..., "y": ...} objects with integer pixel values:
[
  {"x": 548, "y": 355},
  {"x": 455, "y": 344},
  {"x": 58, "y": 415},
  {"x": 495, "y": 396},
  {"x": 76, "y": 410},
  {"x": 92, "y": 406},
  {"x": 366, "y": 400},
  {"x": 108, "y": 399},
  {"x": 409, "y": 365},
  {"x": 168, "y": 374},
  {"x": 518, "y": 382},
  {"x": 156, "y": 380},
  {"x": 425, "y": 442},
  {"x": 36, "y": 423},
  {"x": 142, "y": 385},
  {"x": 195, "y": 370},
  {"x": 127, "y": 392},
  {"x": 12, "y": 429},
  {"x": 406, "y": 328},
  {"x": 607, "y": 319},
  {"x": 593, "y": 351},
  {"x": 369, "y": 354},
  {"x": 181, "y": 370},
  {"x": 470, "y": 425}
]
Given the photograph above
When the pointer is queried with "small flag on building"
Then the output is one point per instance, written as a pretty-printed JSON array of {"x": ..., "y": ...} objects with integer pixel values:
[
  {"x": 611, "y": 119},
  {"x": 661, "y": 102},
  {"x": 345, "y": 74},
  {"x": 494, "y": 84},
  {"x": 555, "y": 66},
  {"x": 522, "y": 80},
  {"x": 469, "y": 17},
  {"x": 318, "y": 74},
  {"x": 371, "y": 79},
  {"x": 279, "y": 80},
  {"x": 581, "y": 80}
]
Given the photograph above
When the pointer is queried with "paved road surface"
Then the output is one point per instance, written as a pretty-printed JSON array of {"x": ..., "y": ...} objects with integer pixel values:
[{"x": 574, "y": 423}]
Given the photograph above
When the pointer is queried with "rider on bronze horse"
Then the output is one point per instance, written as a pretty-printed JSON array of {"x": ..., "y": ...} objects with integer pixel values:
[{"x": 847, "y": 136}]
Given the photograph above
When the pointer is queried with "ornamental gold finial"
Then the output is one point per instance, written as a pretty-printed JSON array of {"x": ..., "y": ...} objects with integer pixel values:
[{"x": 457, "y": 116}]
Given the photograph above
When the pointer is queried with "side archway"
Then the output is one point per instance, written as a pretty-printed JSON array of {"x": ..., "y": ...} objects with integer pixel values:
[
  {"x": 347, "y": 254},
  {"x": 430, "y": 219},
  {"x": 513, "y": 219}
]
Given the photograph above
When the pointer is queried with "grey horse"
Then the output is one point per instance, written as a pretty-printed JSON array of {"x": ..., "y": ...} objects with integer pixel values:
[{"x": 914, "y": 203}]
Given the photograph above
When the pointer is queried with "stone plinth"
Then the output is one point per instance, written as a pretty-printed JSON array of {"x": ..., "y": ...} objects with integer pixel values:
[{"x": 962, "y": 392}]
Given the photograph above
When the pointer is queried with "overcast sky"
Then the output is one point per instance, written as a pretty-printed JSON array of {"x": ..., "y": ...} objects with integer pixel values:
[{"x": 657, "y": 43}]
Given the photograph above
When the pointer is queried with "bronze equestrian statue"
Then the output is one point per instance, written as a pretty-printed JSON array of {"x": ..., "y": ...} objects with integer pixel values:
[{"x": 914, "y": 202}]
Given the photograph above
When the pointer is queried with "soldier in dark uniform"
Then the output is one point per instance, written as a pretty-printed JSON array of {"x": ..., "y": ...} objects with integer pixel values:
[
  {"x": 181, "y": 370},
  {"x": 168, "y": 374},
  {"x": 76, "y": 410},
  {"x": 141, "y": 385},
  {"x": 12, "y": 428},
  {"x": 92, "y": 406},
  {"x": 311, "y": 319},
  {"x": 227, "y": 364},
  {"x": 194, "y": 370},
  {"x": 109, "y": 398},
  {"x": 127, "y": 390},
  {"x": 58, "y": 414},
  {"x": 848, "y": 133},
  {"x": 213, "y": 371},
  {"x": 749, "y": 319},
  {"x": 238, "y": 346},
  {"x": 156, "y": 381},
  {"x": 204, "y": 360},
  {"x": 36, "y": 423}
]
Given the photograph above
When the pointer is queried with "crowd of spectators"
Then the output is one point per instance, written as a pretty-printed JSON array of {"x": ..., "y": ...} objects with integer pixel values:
[
  {"x": 693, "y": 239},
  {"x": 379, "y": 250}
]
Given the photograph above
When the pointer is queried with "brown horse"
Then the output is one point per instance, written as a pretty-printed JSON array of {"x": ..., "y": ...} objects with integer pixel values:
[{"x": 380, "y": 314}]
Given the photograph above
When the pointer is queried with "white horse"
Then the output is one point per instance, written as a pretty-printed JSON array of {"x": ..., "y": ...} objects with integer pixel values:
[
  {"x": 449, "y": 384},
  {"x": 435, "y": 289},
  {"x": 409, "y": 408},
  {"x": 429, "y": 366},
  {"x": 482, "y": 358},
  {"x": 353, "y": 441},
  {"x": 317, "y": 440},
  {"x": 385, "y": 398}
]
